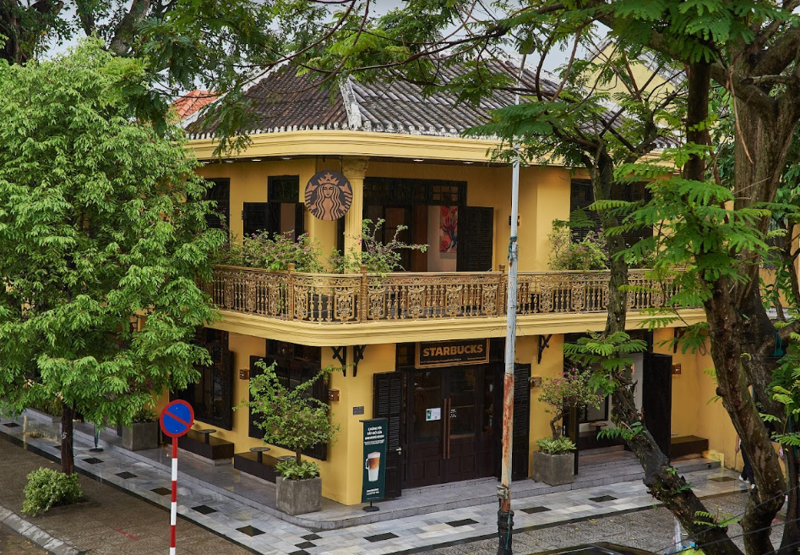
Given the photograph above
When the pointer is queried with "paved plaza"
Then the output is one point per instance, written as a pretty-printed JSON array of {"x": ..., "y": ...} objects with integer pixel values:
[{"x": 254, "y": 527}]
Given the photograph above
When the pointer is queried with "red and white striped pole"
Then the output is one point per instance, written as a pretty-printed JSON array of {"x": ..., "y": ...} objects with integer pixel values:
[
  {"x": 173, "y": 519},
  {"x": 176, "y": 419}
]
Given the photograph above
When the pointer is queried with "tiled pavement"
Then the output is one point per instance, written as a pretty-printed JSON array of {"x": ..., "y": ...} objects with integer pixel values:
[{"x": 253, "y": 525}]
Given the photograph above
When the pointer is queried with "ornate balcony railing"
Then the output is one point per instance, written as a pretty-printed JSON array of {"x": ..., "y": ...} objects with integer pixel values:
[{"x": 357, "y": 298}]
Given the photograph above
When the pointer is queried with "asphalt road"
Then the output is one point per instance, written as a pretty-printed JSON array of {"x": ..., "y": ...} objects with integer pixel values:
[{"x": 12, "y": 543}]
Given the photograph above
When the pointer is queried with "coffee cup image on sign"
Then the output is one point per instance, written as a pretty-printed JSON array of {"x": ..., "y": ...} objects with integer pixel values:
[{"x": 373, "y": 466}]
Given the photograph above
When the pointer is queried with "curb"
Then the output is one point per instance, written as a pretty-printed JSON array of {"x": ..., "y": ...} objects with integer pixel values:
[{"x": 35, "y": 534}]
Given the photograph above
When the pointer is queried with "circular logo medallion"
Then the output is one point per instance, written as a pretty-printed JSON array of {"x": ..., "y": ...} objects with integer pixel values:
[{"x": 328, "y": 195}]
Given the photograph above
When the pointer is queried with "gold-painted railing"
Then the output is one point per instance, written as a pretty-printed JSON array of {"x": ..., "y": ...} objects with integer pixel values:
[{"x": 351, "y": 298}]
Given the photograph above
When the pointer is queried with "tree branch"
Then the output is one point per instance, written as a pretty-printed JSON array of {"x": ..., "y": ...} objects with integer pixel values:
[{"x": 123, "y": 34}]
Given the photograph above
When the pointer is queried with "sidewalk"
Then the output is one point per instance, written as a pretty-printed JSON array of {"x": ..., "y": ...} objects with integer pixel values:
[{"x": 251, "y": 524}]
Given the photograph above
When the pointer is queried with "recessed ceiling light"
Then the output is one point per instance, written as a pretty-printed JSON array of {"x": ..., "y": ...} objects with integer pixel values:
[
  {"x": 418, "y": 160},
  {"x": 256, "y": 159},
  {"x": 468, "y": 163},
  {"x": 286, "y": 157},
  {"x": 229, "y": 161}
]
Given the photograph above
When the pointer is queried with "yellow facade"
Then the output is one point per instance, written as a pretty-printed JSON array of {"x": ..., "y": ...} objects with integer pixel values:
[{"x": 544, "y": 196}]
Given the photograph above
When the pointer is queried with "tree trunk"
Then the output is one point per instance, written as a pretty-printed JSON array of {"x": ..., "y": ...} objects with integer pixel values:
[
  {"x": 67, "y": 455},
  {"x": 742, "y": 336},
  {"x": 660, "y": 478}
]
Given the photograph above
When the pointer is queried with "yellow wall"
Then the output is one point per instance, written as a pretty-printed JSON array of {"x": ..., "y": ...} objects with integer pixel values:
[{"x": 544, "y": 196}]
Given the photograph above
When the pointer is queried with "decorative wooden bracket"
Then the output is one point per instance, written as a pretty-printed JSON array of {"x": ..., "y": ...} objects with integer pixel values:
[
  {"x": 340, "y": 355},
  {"x": 544, "y": 343},
  {"x": 358, "y": 356}
]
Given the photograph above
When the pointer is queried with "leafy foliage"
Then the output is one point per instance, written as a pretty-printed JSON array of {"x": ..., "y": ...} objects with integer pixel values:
[
  {"x": 291, "y": 419},
  {"x": 101, "y": 219},
  {"x": 379, "y": 257},
  {"x": 47, "y": 488},
  {"x": 568, "y": 391},
  {"x": 566, "y": 254},
  {"x": 292, "y": 470},
  {"x": 555, "y": 445},
  {"x": 273, "y": 252}
]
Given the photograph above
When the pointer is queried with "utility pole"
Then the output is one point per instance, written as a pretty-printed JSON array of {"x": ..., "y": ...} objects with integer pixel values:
[{"x": 505, "y": 516}]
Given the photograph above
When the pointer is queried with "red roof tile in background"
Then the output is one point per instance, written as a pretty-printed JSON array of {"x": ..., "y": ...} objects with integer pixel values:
[{"x": 193, "y": 101}]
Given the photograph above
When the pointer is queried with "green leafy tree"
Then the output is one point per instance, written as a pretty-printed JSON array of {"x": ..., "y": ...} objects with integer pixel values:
[
  {"x": 290, "y": 418},
  {"x": 101, "y": 220}
]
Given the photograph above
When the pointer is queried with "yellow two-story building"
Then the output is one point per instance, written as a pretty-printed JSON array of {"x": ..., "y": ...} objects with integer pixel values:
[{"x": 424, "y": 347}]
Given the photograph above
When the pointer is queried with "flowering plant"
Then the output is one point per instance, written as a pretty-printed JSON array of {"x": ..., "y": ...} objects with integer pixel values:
[
  {"x": 570, "y": 390},
  {"x": 566, "y": 254},
  {"x": 290, "y": 418},
  {"x": 378, "y": 257},
  {"x": 274, "y": 252}
]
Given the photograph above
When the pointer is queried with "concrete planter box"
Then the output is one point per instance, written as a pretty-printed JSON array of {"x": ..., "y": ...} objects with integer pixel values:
[
  {"x": 297, "y": 497},
  {"x": 140, "y": 435},
  {"x": 553, "y": 470},
  {"x": 42, "y": 416}
]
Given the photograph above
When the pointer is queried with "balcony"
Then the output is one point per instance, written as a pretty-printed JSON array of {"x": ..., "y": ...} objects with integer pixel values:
[{"x": 296, "y": 302}]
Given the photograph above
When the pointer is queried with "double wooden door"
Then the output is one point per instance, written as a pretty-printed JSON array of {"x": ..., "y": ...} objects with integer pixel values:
[{"x": 450, "y": 416}]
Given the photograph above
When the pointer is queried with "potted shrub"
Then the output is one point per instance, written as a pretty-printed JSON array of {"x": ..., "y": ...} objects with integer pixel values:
[
  {"x": 553, "y": 464},
  {"x": 142, "y": 432},
  {"x": 294, "y": 420}
]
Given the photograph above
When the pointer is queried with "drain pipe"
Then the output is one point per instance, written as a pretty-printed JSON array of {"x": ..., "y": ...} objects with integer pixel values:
[{"x": 505, "y": 516}]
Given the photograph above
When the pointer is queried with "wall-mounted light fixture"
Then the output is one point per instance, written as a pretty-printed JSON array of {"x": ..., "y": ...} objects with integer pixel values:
[{"x": 244, "y": 374}]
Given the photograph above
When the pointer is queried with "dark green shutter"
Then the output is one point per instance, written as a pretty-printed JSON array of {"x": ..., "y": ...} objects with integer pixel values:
[
  {"x": 254, "y": 218},
  {"x": 522, "y": 414},
  {"x": 475, "y": 239},
  {"x": 388, "y": 403}
]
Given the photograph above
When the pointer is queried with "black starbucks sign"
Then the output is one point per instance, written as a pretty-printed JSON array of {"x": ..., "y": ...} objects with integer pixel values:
[{"x": 431, "y": 354}]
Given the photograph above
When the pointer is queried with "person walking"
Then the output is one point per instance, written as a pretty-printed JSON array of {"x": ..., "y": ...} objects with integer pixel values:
[{"x": 747, "y": 474}]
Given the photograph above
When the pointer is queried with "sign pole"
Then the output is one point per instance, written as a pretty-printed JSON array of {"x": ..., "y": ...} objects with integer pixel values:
[
  {"x": 173, "y": 519},
  {"x": 505, "y": 516},
  {"x": 176, "y": 419}
]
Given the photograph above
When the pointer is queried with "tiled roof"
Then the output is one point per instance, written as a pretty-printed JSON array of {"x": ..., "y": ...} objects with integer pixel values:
[
  {"x": 284, "y": 101},
  {"x": 193, "y": 101}
]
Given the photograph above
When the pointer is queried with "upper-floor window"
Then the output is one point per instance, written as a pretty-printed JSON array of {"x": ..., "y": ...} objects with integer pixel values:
[
  {"x": 219, "y": 192},
  {"x": 282, "y": 213}
]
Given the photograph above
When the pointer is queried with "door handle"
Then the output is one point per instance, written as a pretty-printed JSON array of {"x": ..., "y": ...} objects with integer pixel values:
[
  {"x": 447, "y": 433},
  {"x": 399, "y": 450}
]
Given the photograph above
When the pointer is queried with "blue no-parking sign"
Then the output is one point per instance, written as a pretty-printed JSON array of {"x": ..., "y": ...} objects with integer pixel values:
[{"x": 176, "y": 418}]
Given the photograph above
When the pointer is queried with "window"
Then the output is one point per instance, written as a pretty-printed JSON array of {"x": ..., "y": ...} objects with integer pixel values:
[
  {"x": 212, "y": 396},
  {"x": 582, "y": 197},
  {"x": 295, "y": 364},
  {"x": 282, "y": 213},
  {"x": 220, "y": 193}
]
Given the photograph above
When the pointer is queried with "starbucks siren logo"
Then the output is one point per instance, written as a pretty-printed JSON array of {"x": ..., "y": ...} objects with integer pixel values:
[{"x": 328, "y": 195}]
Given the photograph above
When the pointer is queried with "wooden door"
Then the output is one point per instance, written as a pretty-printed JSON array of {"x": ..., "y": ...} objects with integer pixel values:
[
  {"x": 388, "y": 403},
  {"x": 425, "y": 428},
  {"x": 657, "y": 399},
  {"x": 461, "y": 417}
]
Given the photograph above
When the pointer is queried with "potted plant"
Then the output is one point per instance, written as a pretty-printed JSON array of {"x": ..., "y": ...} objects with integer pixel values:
[
  {"x": 294, "y": 420},
  {"x": 142, "y": 432},
  {"x": 554, "y": 462}
]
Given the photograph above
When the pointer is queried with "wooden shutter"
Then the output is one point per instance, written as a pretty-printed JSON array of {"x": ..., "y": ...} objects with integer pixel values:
[
  {"x": 224, "y": 376},
  {"x": 299, "y": 219},
  {"x": 657, "y": 398},
  {"x": 388, "y": 403},
  {"x": 254, "y": 218},
  {"x": 320, "y": 392},
  {"x": 522, "y": 416},
  {"x": 475, "y": 239}
]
